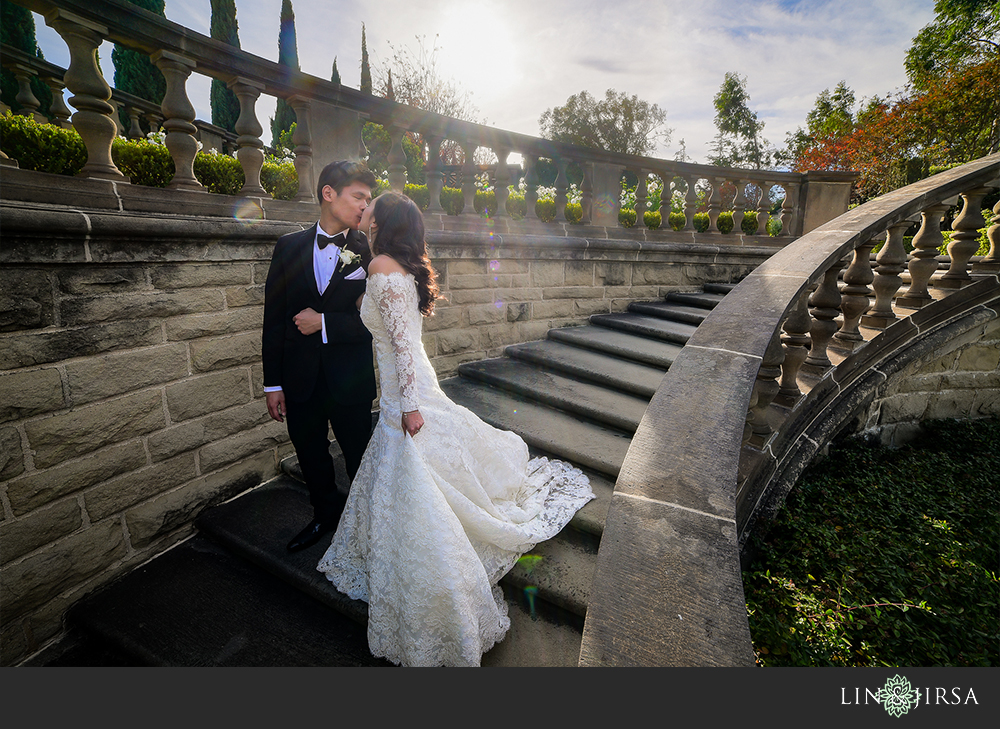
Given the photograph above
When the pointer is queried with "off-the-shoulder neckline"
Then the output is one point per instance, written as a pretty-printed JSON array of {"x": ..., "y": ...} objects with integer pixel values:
[{"x": 404, "y": 274}]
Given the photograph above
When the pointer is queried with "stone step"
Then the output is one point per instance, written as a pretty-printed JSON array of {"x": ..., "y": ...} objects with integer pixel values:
[
  {"x": 628, "y": 346},
  {"x": 703, "y": 300},
  {"x": 591, "y": 365},
  {"x": 560, "y": 434},
  {"x": 718, "y": 288},
  {"x": 667, "y": 310},
  {"x": 646, "y": 326},
  {"x": 594, "y": 402}
]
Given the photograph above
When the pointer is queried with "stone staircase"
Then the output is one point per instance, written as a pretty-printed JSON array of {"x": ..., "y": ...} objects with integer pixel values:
[{"x": 233, "y": 596}]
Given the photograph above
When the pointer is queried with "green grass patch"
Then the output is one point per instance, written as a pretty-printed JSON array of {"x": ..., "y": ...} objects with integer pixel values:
[{"x": 885, "y": 557}]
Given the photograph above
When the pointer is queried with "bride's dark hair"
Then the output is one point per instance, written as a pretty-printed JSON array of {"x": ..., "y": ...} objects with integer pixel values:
[{"x": 400, "y": 235}]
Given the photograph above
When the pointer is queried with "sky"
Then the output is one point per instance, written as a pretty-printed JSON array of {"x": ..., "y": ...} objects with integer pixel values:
[{"x": 521, "y": 57}]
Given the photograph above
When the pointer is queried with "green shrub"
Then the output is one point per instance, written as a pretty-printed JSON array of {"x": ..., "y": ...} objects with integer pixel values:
[
  {"x": 626, "y": 217},
  {"x": 545, "y": 210},
  {"x": 223, "y": 174},
  {"x": 418, "y": 194},
  {"x": 749, "y": 224},
  {"x": 517, "y": 208},
  {"x": 41, "y": 147},
  {"x": 653, "y": 219},
  {"x": 143, "y": 162},
  {"x": 725, "y": 221},
  {"x": 280, "y": 179},
  {"x": 485, "y": 202},
  {"x": 574, "y": 212},
  {"x": 452, "y": 200},
  {"x": 677, "y": 221}
]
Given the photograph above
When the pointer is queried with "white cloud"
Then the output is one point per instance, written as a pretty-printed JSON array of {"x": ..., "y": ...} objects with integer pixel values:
[{"x": 521, "y": 57}]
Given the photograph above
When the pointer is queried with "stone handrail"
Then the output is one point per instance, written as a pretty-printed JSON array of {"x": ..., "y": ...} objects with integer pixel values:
[
  {"x": 703, "y": 468},
  {"x": 339, "y": 111}
]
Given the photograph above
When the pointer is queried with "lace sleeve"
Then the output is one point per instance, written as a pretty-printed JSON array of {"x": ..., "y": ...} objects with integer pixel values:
[{"x": 393, "y": 304}]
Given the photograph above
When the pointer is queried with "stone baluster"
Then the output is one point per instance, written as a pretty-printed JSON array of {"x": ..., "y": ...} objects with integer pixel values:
[
  {"x": 855, "y": 301},
  {"x": 788, "y": 208},
  {"x": 25, "y": 96},
  {"x": 250, "y": 150},
  {"x": 891, "y": 260},
  {"x": 923, "y": 261},
  {"x": 690, "y": 202},
  {"x": 795, "y": 341},
  {"x": 714, "y": 204},
  {"x": 766, "y": 386},
  {"x": 562, "y": 187},
  {"x": 665, "y": 196},
  {"x": 587, "y": 193},
  {"x": 990, "y": 265},
  {"x": 502, "y": 182},
  {"x": 134, "y": 129},
  {"x": 824, "y": 305},
  {"x": 396, "y": 159},
  {"x": 530, "y": 186},
  {"x": 93, "y": 118},
  {"x": 302, "y": 139},
  {"x": 763, "y": 207},
  {"x": 178, "y": 114},
  {"x": 60, "y": 112},
  {"x": 964, "y": 240},
  {"x": 433, "y": 174},
  {"x": 640, "y": 199},
  {"x": 155, "y": 121},
  {"x": 739, "y": 206},
  {"x": 469, "y": 178}
]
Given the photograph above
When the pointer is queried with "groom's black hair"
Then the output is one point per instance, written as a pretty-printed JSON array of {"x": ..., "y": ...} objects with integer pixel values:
[{"x": 339, "y": 175}]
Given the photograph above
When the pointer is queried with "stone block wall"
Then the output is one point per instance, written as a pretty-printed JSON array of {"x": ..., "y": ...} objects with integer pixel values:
[{"x": 130, "y": 377}]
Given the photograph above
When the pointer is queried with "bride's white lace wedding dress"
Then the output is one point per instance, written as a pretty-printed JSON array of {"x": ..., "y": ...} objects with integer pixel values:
[{"x": 434, "y": 521}]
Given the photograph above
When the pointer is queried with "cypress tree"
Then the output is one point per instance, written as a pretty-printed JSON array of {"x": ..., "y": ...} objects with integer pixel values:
[
  {"x": 17, "y": 29},
  {"x": 366, "y": 71},
  {"x": 335, "y": 76},
  {"x": 389, "y": 93},
  {"x": 225, "y": 105},
  {"x": 288, "y": 55},
  {"x": 135, "y": 73}
]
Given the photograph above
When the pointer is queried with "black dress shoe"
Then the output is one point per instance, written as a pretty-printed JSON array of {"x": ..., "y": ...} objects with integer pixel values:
[{"x": 311, "y": 534}]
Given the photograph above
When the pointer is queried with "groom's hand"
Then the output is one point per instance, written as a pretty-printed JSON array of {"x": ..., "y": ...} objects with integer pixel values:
[
  {"x": 276, "y": 405},
  {"x": 309, "y": 321}
]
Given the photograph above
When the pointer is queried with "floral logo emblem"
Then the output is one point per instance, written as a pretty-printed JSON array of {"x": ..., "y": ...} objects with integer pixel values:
[
  {"x": 348, "y": 257},
  {"x": 897, "y": 696}
]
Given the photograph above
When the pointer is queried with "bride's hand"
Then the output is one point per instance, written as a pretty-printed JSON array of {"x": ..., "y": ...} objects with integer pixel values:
[{"x": 412, "y": 422}]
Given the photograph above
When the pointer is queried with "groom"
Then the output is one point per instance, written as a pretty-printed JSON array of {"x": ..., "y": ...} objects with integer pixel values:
[{"x": 317, "y": 354}]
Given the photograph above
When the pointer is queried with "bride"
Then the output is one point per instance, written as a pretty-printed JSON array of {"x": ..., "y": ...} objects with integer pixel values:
[{"x": 443, "y": 504}]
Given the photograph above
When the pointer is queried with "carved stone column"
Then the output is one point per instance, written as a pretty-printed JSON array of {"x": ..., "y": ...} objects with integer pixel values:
[
  {"x": 302, "y": 139},
  {"x": 714, "y": 204},
  {"x": 25, "y": 96},
  {"x": 178, "y": 114},
  {"x": 434, "y": 175},
  {"x": 766, "y": 386},
  {"x": 990, "y": 265},
  {"x": 469, "y": 178},
  {"x": 788, "y": 208},
  {"x": 690, "y": 202},
  {"x": 795, "y": 341},
  {"x": 396, "y": 159},
  {"x": 640, "y": 199},
  {"x": 502, "y": 182},
  {"x": 923, "y": 261},
  {"x": 964, "y": 243},
  {"x": 763, "y": 207},
  {"x": 587, "y": 193},
  {"x": 250, "y": 147},
  {"x": 58, "y": 108},
  {"x": 739, "y": 206},
  {"x": 530, "y": 186},
  {"x": 562, "y": 187},
  {"x": 134, "y": 130},
  {"x": 825, "y": 306},
  {"x": 891, "y": 260},
  {"x": 855, "y": 301},
  {"x": 665, "y": 196},
  {"x": 91, "y": 93}
]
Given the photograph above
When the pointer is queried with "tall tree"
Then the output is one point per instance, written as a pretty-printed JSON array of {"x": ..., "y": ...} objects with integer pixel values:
[
  {"x": 225, "y": 105},
  {"x": 739, "y": 142},
  {"x": 335, "y": 75},
  {"x": 828, "y": 125},
  {"x": 617, "y": 123},
  {"x": 17, "y": 29},
  {"x": 135, "y": 73},
  {"x": 964, "y": 33},
  {"x": 288, "y": 55},
  {"x": 366, "y": 71}
]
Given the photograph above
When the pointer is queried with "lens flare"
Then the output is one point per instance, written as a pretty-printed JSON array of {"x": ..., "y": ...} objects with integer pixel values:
[{"x": 248, "y": 211}]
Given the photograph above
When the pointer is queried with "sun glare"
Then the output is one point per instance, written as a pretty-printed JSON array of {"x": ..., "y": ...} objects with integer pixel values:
[{"x": 476, "y": 46}]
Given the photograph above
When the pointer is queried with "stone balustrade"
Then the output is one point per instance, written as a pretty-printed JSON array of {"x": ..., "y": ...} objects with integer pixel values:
[
  {"x": 804, "y": 358},
  {"x": 331, "y": 116}
]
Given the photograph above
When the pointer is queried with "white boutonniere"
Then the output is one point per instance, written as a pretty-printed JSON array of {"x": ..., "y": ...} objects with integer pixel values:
[{"x": 348, "y": 258}]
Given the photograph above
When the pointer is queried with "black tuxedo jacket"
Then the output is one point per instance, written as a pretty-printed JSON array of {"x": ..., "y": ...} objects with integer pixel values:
[{"x": 294, "y": 360}]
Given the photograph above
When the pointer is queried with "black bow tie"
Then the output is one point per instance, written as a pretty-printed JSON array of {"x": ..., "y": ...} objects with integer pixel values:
[{"x": 323, "y": 240}]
